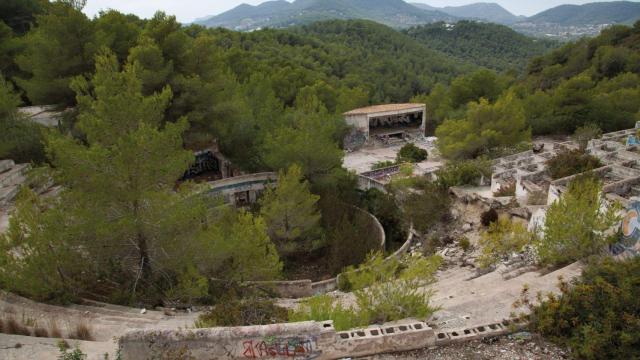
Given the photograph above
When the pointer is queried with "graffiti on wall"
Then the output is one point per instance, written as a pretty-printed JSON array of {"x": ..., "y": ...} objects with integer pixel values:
[
  {"x": 205, "y": 161},
  {"x": 272, "y": 347},
  {"x": 629, "y": 245}
]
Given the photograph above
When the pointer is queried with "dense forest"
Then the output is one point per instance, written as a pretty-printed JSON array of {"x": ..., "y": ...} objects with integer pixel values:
[{"x": 493, "y": 46}]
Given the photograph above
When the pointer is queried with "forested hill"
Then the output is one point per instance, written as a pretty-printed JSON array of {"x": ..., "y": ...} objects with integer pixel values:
[
  {"x": 389, "y": 65},
  {"x": 614, "y": 12},
  {"x": 279, "y": 14},
  {"x": 490, "y": 45}
]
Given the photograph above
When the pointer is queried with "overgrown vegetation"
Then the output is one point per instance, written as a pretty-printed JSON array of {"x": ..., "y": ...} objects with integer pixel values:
[
  {"x": 463, "y": 172},
  {"x": 578, "y": 224},
  {"x": 595, "y": 315},
  {"x": 412, "y": 154},
  {"x": 503, "y": 238},
  {"x": 385, "y": 289},
  {"x": 231, "y": 310},
  {"x": 571, "y": 162}
]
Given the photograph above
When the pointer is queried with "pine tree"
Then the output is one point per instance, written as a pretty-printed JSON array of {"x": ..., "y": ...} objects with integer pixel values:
[{"x": 290, "y": 210}]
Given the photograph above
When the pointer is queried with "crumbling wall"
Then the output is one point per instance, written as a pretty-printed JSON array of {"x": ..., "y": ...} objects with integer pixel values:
[{"x": 305, "y": 340}]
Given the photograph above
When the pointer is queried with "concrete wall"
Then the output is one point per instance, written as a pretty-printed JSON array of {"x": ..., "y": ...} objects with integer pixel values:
[{"x": 305, "y": 340}]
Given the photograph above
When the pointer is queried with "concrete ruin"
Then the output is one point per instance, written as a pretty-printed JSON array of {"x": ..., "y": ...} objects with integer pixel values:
[
  {"x": 45, "y": 115},
  {"x": 305, "y": 340},
  {"x": 12, "y": 176},
  {"x": 386, "y": 123}
]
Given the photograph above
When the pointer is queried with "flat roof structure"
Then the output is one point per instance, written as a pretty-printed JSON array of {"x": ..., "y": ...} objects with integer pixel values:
[
  {"x": 385, "y": 108},
  {"x": 384, "y": 123}
]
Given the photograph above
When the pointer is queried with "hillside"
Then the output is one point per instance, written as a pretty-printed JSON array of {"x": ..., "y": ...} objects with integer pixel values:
[
  {"x": 490, "y": 45},
  {"x": 616, "y": 12},
  {"x": 567, "y": 22},
  {"x": 277, "y": 14},
  {"x": 483, "y": 11}
]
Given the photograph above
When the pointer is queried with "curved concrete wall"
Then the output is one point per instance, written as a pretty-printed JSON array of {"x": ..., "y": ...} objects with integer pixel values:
[{"x": 305, "y": 288}]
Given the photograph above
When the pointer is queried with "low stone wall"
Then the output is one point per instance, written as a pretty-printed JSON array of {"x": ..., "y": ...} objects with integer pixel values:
[
  {"x": 305, "y": 340},
  {"x": 366, "y": 183}
]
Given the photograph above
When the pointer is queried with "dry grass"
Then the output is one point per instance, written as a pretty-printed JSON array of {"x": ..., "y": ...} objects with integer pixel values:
[
  {"x": 39, "y": 331},
  {"x": 81, "y": 330},
  {"x": 54, "y": 328},
  {"x": 13, "y": 327}
]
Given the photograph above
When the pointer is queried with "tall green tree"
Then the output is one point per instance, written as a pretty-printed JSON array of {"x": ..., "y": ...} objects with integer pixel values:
[
  {"x": 578, "y": 224},
  {"x": 485, "y": 127},
  {"x": 290, "y": 209},
  {"x": 58, "y": 49}
]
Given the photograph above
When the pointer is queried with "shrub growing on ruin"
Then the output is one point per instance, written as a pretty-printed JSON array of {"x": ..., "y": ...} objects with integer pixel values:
[
  {"x": 503, "y": 238},
  {"x": 392, "y": 289},
  {"x": 585, "y": 133},
  {"x": 571, "y": 162},
  {"x": 324, "y": 307},
  {"x": 579, "y": 224},
  {"x": 505, "y": 190},
  {"x": 488, "y": 217},
  {"x": 382, "y": 164},
  {"x": 231, "y": 310},
  {"x": 427, "y": 206},
  {"x": 602, "y": 326},
  {"x": 463, "y": 172},
  {"x": 411, "y": 153}
]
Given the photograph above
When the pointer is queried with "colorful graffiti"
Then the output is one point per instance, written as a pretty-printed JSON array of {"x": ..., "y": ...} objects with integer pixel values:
[
  {"x": 296, "y": 347},
  {"x": 629, "y": 245}
]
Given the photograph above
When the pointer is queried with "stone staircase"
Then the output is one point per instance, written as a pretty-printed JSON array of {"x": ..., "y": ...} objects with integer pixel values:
[{"x": 12, "y": 175}]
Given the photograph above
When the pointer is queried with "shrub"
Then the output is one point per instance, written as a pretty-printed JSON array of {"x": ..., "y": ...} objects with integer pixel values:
[
  {"x": 602, "y": 326},
  {"x": 427, "y": 206},
  {"x": 389, "y": 290},
  {"x": 411, "y": 153},
  {"x": 488, "y": 217},
  {"x": 463, "y": 172},
  {"x": 382, "y": 165},
  {"x": 233, "y": 311},
  {"x": 322, "y": 308},
  {"x": 583, "y": 134},
  {"x": 571, "y": 162},
  {"x": 464, "y": 243},
  {"x": 53, "y": 328},
  {"x": 76, "y": 354},
  {"x": 506, "y": 190},
  {"x": 503, "y": 238},
  {"x": 190, "y": 286},
  {"x": 40, "y": 332}
]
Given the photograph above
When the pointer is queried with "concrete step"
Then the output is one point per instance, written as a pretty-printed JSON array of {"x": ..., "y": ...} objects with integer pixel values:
[
  {"x": 6, "y": 165},
  {"x": 15, "y": 176}
]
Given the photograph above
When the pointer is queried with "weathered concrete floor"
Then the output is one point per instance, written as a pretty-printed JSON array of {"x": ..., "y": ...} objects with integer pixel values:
[{"x": 106, "y": 322}]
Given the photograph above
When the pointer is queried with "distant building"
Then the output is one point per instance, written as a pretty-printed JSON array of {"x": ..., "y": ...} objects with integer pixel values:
[{"x": 387, "y": 121}]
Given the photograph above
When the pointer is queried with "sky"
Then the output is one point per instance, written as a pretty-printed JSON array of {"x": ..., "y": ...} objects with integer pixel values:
[{"x": 188, "y": 10}]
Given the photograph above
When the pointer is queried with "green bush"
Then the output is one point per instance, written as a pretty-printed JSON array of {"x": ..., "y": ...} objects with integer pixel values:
[
  {"x": 463, "y": 172},
  {"x": 385, "y": 290},
  {"x": 411, "y": 153},
  {"x": 571, "y": 162},
  {"x": 596, "y": 316},
  {"x": 322, "y": 308},
  {"x": 76, "y": 354},
  {"x": 382, "y": 164},
  {"x": 503, "y": 238}
]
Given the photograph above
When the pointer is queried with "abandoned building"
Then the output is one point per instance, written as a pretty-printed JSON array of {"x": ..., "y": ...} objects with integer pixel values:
[{"x": 385, "y": 123}]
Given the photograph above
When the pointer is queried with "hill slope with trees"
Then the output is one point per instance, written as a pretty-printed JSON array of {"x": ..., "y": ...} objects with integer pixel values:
[{"x": 490, "y": 45}]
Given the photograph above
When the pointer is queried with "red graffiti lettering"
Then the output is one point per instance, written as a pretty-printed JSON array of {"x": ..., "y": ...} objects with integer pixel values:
[{"x": 248, "y": 350}]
